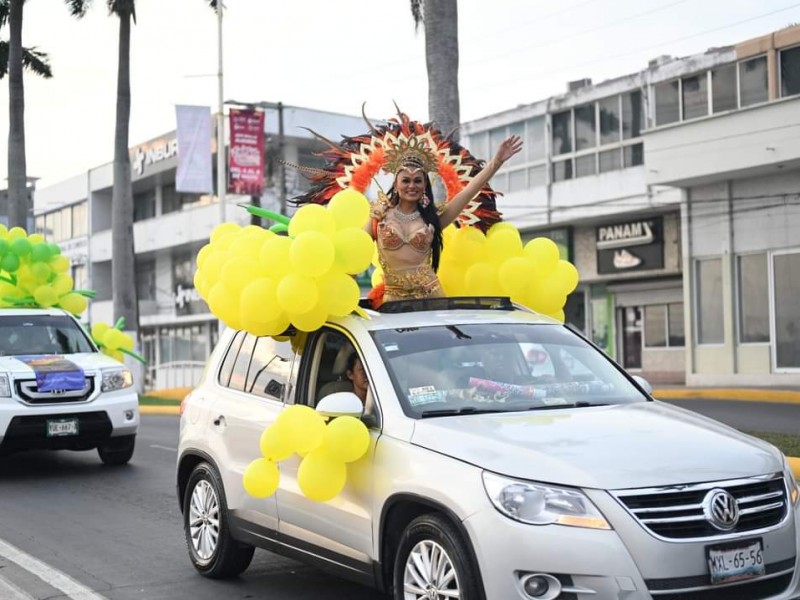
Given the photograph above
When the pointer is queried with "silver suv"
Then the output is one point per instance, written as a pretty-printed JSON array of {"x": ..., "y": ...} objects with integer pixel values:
[{"x": 487, "y": 476}]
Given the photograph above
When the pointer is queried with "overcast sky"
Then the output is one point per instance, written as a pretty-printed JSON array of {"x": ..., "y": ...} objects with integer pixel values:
[{"x": 335, "y": 54}]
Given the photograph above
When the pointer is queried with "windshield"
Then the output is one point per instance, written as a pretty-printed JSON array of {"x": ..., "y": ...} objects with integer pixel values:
[
  {"x": 41, "y": 334},
  {"x": 499, "y": 367}
]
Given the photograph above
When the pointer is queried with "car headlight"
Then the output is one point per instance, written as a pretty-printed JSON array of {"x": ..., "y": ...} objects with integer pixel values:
[
  {"x": 790, "y": 479},
  {"x": 5, "y": 387},
  {"x": 116, "y": 379},
  {"x": 539, "y": 504}
]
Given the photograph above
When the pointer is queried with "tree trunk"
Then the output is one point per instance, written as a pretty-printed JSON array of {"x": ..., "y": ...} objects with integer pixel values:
[
  {"x": 441, "y": 55},
  {"x": 122, "y": 248},
  {"x": 17, "y": 169}
]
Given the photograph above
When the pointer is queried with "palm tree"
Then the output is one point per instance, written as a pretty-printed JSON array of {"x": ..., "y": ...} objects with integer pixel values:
[
  {"x": 440, "y": 18},
  {"x": 13, "y": 58}
]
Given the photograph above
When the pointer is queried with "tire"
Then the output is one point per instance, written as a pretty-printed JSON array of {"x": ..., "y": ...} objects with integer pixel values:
[
  {"x": 436, "y": 538},
  {"x": 212, "y": 550},
  {"x": 117, "y": 451}
]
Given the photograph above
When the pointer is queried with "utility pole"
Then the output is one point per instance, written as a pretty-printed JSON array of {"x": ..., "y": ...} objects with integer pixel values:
[
  {"x": 281, "y": 156},
  {"x": 222, "y": 179}
]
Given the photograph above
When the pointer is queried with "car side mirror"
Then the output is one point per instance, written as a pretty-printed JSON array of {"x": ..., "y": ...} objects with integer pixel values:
[
  {"x": 340, "y": 404},
  {"x": 644, "y": 384}
]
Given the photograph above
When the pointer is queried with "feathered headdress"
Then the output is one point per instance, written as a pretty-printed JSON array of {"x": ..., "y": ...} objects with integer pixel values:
[{"x": 355, "y": 161}]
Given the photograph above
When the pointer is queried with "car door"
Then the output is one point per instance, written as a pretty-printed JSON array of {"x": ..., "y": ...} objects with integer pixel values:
[
  {"x": 253, "y": 392},
  {"x": 340, "y": 529}
]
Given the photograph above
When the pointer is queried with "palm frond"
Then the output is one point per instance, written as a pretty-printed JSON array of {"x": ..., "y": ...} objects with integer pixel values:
[
  {"x": 5, "y": 6},
  {"x": 416, "y": 12},
  {"x": 213, "y": 4},
  {"x": 121, "y": 7},
  {"x": 78, "y": 8},
  {"x": 33, "y": 60}
]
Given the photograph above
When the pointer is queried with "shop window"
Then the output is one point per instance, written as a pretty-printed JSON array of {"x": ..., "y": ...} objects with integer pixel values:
[
  {"x": 610, "y": 160},
  {"x": 586, "y": 165},
  {"x": 146, "y": 279},
  {"x": 753, "y": 86},
  {"x": 144, "y": 205},
  {"x": 723, "y": 88},
  {"x": 695, "y": 96},
  {"x": 562, "y": 170},
  {"x": 753, "y": 301},
  {"x": 585, "y": 128},
  {"x": 633, "y": 155},
  {"x": 632, "y": 115},
  {"x": 655, "y": 326},
  {"x": 667, "y": 102},
  {"x": 534, "y": 142},
  {"x": 609, "y": 120},
  {"x": 709, "y": 291},
  {"x": 786, "y": 269},
  {"x": 80, "y": 220},
  {"x": 790, "y": 71},
  {"x": 675, "y": 324},
  {"x": 562, "y": 133},
  {"x": 80, "y": 277},
  {"x": 269, "y": 368}
]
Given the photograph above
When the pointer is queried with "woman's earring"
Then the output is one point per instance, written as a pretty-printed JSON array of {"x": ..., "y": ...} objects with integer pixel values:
[{"x": 425, "y": 201}]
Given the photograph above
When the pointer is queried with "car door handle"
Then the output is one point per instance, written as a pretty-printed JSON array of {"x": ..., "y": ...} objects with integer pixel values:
[{"x": 220, "y": 421}]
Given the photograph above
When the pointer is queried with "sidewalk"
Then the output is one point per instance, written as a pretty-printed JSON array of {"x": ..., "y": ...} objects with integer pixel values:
[{"x": 774, "y": 395}]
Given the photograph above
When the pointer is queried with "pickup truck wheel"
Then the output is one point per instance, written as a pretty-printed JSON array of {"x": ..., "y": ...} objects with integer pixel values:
[
  {"x": 433, "y": 562},
  {"x": 117, "y": 451},
  {"x": 212, "y": 550}
]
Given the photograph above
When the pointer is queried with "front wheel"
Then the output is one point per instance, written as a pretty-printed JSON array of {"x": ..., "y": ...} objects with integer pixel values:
[
  {"x": 117, "y": 451},
  {"x": 212, "y": 550},
  {"x": 433, "y": 563}
]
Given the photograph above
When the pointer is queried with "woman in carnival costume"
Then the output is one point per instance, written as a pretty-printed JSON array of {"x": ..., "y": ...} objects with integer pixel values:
[{"x": 405, "y": 222}]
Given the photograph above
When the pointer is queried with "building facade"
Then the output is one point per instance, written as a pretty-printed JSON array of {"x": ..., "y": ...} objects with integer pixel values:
[{"x": 674, "y": 191}]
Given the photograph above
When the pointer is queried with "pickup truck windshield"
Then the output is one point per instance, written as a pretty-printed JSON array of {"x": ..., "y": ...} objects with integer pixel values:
[
  {"x": 491, "y": 367},
  {"x": 41, "y": 334}
]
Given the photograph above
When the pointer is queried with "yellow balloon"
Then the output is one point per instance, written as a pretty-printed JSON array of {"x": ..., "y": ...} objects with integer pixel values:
[
  {"x": 546, "y": 296},
  {"x": 16, "y": 233},
  {"x": 297, "y": 294},
  {"x": 467, "y": 246},
  {"x": 349, "y": 208},
  {"x": 503, "y": 245},
  {"x": 249, "y": 244},
  {"x": 41, "y": 273},
  {"x": 274, "y": 256},
  {"x": 516, "y": 274},
  {"x": 222, "y": 229},
  {"x": 346, "y": 439},
  {"x": 99, "y": 330},
  {"x": 354, "y": 250},
  {"x": 481, "y": 280},
  {"x": 63, "y": 283},
  {"x": 312, "y": 320},
  {"x": 339, "y": 293},
  {"x": 321, "y": 478},
  {"x": 558, "y": 316},
  {"x": 202, "y": 254},
  {"x": 59, "y": 264},
  {"x": 126, "y": 342},
  {"x": 73, "y": 303},
  {"x": 225, "y": 305},
  {"x": 276, "y": 443},
  {"x": 113, "y": 339},
  {"x": 212, "y": 265},
  {"x": 261, "y": 478},
  {"x": 312, "y": 217},
  {"x": 501, "y": 226},
  {"x": 237, "y": 272},
  {"x": 544, "y": 253},
  {"x": 377, "y": 277},
  {"x": 567, "y": 275},
  {"x": 45, "y": 296},
  {"x": 304, "y": 426},
  {"x": 452, "y": 277},
  {"x": 312, "y": 253},
  {"x": 259, "y": 300}
]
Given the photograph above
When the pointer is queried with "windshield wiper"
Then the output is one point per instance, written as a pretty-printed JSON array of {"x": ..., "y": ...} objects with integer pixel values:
[
  {"x": 579, "y": 404},
  {"x": 464, "y": 410}
]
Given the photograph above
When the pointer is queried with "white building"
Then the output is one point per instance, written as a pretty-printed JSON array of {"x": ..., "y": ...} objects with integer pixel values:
[
  {"x": 683, "y": 174},
  {"x": 177, "y": 331}
]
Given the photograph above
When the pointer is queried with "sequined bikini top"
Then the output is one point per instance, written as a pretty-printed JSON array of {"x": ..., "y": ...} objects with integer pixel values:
[{"x": 392, "y": 238}]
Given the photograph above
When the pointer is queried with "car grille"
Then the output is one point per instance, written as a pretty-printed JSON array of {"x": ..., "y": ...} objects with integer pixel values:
[
  {"x": 676, "y": 512},
  {"x": 28, "y": 391},
  {"x": 752, "y": 590},
  {"x": 30, "y": 432}
]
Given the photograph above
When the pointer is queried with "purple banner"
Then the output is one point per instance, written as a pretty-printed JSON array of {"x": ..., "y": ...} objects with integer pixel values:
[{"x": 55, "y": 373}]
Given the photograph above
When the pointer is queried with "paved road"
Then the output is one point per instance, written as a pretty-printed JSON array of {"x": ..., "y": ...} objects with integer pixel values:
[{"x": 748, "y": 416}]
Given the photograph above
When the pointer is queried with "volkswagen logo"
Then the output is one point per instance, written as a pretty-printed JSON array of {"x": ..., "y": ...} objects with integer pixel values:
[{"x": 721, "y": 509}]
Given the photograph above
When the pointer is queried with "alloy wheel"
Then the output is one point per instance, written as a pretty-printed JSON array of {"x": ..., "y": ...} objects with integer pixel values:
[
  {"x": 429, "y": 574},
  {"x": 204, "y": 520}
]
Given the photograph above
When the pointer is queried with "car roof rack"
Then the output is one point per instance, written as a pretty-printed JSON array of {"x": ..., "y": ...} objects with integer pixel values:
[{"x": 447, "y": 303}]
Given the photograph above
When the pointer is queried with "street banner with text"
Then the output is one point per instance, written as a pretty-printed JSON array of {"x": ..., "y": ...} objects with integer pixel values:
[
  {"x": 194, "y": 175},
  {"x": 246, "y": 158}
]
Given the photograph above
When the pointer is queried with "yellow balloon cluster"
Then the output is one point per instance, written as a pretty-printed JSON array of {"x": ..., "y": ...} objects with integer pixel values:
[
  {"x": 325, "y": 450},
  {"x": 114, "y": 342},
  {"x": 497, "y": 264},
  {"x": 256, "y": 280},
  {"x": 35, "y": 273}
]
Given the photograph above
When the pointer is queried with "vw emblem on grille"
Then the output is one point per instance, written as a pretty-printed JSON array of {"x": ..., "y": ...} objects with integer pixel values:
[{"x": 721, "y": 509}]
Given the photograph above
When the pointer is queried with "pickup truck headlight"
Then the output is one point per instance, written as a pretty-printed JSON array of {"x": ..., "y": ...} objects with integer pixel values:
[
  {"x": 116, "y": 379},
  {"x": 5, "y": 386},
  {"x": 790, "y": 479},
  {"x": 539, "y": 504}
]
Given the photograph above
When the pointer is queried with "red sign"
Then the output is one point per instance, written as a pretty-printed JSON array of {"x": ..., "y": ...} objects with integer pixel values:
[{"x": 246, "y": 157}]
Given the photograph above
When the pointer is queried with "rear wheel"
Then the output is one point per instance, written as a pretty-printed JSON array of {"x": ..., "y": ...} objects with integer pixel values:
[
  {"x": 433, "y": 563},
  {"x": 118, "y": 450},
  {"x": 212, "y": 550}
]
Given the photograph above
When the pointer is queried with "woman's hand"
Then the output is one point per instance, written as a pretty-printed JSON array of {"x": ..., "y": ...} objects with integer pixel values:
[{"x": 508, "y": 148}]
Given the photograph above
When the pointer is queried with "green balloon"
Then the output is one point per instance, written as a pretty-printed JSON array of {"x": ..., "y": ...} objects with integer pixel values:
[
  {"x": 40, "y": 252},
  {"x": 21, "y": 247},
  {"x": 10, "y": 263},
  {"x": 55, "y": 250}
]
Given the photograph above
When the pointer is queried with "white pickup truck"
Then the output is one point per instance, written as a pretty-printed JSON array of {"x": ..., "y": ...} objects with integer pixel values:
[{"x": 59, "y": 392}]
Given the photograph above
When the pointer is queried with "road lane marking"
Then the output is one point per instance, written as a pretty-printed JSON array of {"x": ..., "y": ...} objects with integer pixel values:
[
  {"x": 158, "y": 447},
  {"x": 12, "y": 592},
  {"x": 54, "y": 577}
]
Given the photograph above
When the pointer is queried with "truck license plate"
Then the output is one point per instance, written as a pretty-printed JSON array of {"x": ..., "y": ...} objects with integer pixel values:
[
  {"x": 729, "y": 563},
  {"x": 62, "y": 427}
]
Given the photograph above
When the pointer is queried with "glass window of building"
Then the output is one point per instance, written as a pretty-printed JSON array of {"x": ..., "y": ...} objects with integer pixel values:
[
  {"x": 753, "y": 87},
  {"x": 562, "y": 170},
  {"x": 479, "y": 145},
  {"x": 516, "y": 180},
  {"x": 633, "y": 155},
  {"x": 49, "y": 226},
  {"x": 586, "y": 165},
  {"x": 632, "y": 115},
  {"x": 786, "y": 269},
  {"x": 145, "y": 279},
  {"x": 39, "y": 225},
  {"x": 695, "y": 96},
  {"x": 709, "y": 293},
  {"x": 496, "y": 135},
  {"x": 144, "y": 205},
  {"x": 519, "y": 158},
  {"x": 537, "y": 176},
  {"x": 534, "y": 141},
  {"x": 723, "y": 88},
  {"x": 499, "y": 182},
  {"x": 66, "y": 223},
  {"x": 609, "y": 120},
  {"x": 585, "y": 127},
  {"x": 675, "y": 326},
  {"x": 790, "y": 71},
  {"x": 562, "y": 133},
  {"x": 80, "y": 220},
  {"x": 655, "y": 326},
  {"x": 57, "y": 235},
  {"x": 80, "y": 277},
  {"x": 753, "y": 288},
  {"x": 667, "y": 102},
  {"x": 270, "y": 368},
  {"x": 610, "y": 160}
]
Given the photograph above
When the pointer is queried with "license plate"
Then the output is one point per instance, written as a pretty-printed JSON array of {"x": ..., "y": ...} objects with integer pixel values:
[
  {"x": 62, "y": 427},
  {"x": 733, "y": 562}
]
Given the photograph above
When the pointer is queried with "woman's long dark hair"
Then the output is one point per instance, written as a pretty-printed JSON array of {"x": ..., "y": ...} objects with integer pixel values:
[{"x": 430, "y": 216}]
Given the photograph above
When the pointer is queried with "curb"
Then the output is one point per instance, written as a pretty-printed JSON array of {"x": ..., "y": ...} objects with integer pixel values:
[
  {"x": 739, "y": 394},
  {"x": 159, "y": 410}
]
